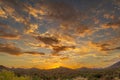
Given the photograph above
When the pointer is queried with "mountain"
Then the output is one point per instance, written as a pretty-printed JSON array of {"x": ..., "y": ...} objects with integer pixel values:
[
  {"x": 3, "y": 67},
  {"x": 115, "y": 65},
  {"x": 63, "y": 72},
  {"x": 60, "y": 69}
]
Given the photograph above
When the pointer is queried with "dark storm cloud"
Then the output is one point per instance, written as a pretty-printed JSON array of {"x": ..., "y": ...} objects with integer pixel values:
[
  {"x": 7, "y": 32},
  {"x": 48, "y": 40}
]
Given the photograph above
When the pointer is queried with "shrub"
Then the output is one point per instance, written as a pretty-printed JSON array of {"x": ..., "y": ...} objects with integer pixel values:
[{"x": 9, "y": 75}]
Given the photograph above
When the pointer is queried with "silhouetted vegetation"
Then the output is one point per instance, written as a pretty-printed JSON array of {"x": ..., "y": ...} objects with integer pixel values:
[
  {"x": 111, "y": 73},
  {"x": 9, "y": 75}
]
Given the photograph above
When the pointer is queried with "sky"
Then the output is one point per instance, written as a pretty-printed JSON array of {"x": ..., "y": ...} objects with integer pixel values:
[{"x": 48, "y": 34}]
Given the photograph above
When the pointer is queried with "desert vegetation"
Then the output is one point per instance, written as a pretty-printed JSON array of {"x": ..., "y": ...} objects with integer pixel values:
[
  {"x": 60, "y": 74},
  {"x": 9, "y": 75}
]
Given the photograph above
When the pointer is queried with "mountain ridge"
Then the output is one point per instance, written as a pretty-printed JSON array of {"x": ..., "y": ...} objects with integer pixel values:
[{"x": 115, "y": 65}]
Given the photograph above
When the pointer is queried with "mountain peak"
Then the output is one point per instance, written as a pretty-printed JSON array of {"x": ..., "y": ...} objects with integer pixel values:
[
  {"x": 3, "y": 67},
  {"x": 115, "y": 65}
]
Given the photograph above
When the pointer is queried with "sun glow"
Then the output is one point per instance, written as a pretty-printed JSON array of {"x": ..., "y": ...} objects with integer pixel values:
[{"x": 57, "y": 65}]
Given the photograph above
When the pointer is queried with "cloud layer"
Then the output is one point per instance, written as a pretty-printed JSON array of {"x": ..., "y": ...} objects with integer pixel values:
[{"x": 61, "y": 31}]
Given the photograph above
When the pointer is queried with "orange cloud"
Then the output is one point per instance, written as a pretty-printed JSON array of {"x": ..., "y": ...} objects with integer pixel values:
[
  {"x": 108, "y": 16},
  {"x": 32, "y": 28},
  {"x": 57, "y": 49},
  {"x": 13, "y": 50},
  {"x": 64, "y": 58},
  {"x": 10, "y": 49},
  {"x": 2, "y": 13},
  {"x": 113, "y": 25}
]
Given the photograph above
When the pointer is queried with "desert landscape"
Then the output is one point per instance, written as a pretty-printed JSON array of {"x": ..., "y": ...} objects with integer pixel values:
[
  {"x": 110, "y": 73},
  {"x": 59, "y": 39}
]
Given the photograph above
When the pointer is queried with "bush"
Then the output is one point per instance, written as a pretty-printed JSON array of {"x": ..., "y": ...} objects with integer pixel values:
[{"x": 9, "y": 75}]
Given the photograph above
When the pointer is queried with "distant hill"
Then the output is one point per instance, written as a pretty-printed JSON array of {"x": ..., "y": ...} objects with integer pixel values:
[
  {"x": 115, "y": 65},
  {"x": 62, "y": 72},
  {"x": 3, "y": 67},
  {"x": 60, "y": 69}
]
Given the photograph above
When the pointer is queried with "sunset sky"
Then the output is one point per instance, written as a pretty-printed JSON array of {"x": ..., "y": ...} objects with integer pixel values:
[{"x": 51, "y": 33}]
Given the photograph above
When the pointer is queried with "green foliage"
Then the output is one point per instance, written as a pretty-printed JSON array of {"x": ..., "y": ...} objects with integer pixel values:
[
  {"x": 9, "y": 75},
  {"x": 36, "y": 78},
  {"x": 102, "y": 74}
]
